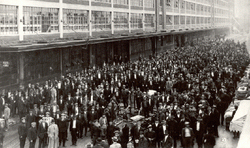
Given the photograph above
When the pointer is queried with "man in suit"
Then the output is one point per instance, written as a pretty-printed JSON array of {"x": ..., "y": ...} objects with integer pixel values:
[
  {"x": 2, "y": 103},
  {"x": 167, "y": 141},
  {"x": 42, "y": 133},
  {"x": 30, "y": 118},
  {"x": 125, "y": 136},
  {"x": 74, "y": 128},
  {"x": 63, "y": 126},
  {"x": 158, "y": 130},
  {"x": 209, "y": 139},
  {"x": 32, "y": 135},
  {"x": 125, "y": 96},
  {"x": 22, "y": 132},
  {"x": 199, "y": 131},
  {"x": 85, "y": 120},
  {"x": 6, "y": 116},
  {"x": 70, "y": 103},
  {"x": 110, "y": 132},
  {"x": 61, "y": 103},
  {"x": 21, "y": 106},
  {"x": 150, "y": 135},
  {"x": 187, "y": 136}
]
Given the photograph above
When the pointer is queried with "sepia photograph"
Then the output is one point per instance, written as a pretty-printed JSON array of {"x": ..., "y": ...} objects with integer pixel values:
[{"x": 124, "y": 73}]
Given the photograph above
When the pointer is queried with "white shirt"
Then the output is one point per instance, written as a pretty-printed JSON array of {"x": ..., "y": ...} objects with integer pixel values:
[
  {"x": 187, "y": 132},
  {"x": 198, "y": 126},
  {"x": 165, "y": 139},
  {"x": 3, "y": 101},
  {"x": 74, "y": 124},
  {"x": 164, "y": 129}
]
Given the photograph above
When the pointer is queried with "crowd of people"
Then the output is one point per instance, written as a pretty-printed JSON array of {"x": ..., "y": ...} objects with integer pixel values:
[{"x": 193, "y": 87}]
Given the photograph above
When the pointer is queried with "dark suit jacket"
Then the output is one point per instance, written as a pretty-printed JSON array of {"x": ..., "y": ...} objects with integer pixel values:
[
  {"x": 159, "y": 132},
  {"x": 32, "y": 133},
  {"x": 77, "y": 125},
  {"x": 42, "y": 131},
  {"x": 168, "y": 142},
  {"x": 22, "y": 131}
]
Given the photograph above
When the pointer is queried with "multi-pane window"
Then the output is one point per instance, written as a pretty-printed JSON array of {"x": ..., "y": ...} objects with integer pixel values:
[
  {"x": 182, "y": 19},
  {"x": 183, "y": 4},
  {"x": 176, "y": 4},
  {"x": 8, "y": 19},
  {"x": 197, "y": 20},
  {"x": 149, "y": 20},
  {"x": 188, "y": 20},
  {"x": 105, "y": 1},
  {"x": 101, "y": 20},
  {"x": 202, "y": 20},
  {"x": 37, "y": 20},
  {"x": 75, "y": 20},
  {"x": 136, "y": 20},
  {"x": 121, "y": 20},
  {"x": 176, "y": 20},
  {"x": 137, "y": 3},
  {"x": 149, "y": 3},
  {"x": 193, "y": 19},
  {"x": 169, "y": 20},
  {"x": 168, "y": 3},
  {"x": 122, "y": 2}
]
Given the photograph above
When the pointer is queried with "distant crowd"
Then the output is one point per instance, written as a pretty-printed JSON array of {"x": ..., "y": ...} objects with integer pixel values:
[{"x": 193, "y": 87}]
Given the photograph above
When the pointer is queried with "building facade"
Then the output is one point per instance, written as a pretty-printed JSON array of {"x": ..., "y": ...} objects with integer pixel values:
[{"x": 39, "y": 38}]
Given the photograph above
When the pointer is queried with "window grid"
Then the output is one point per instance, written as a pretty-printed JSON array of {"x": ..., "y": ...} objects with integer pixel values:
[
  {"x": 37, "y": 20},
  {"x": 136, "y": 20},
  {"x": 8, "y": 19},
  {"x": 121, "y": 20},
  {"x": 149, "y": 20},
  {"x": 101, "y": 20},
  {"x": 137, "y": 3},
  {"x": 103, "y": 1},
  {"x": 75, "y": 20},
  {"x": 121, "y": 2}
]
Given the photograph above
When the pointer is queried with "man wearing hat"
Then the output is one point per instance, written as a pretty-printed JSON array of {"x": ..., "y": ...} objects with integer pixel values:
[
  {"x": 32, "y": 135},
  {"x": 6, "y": 116},
  {"x": 74, "y": 128},
  {"x": 158, "y": 130},
  {"x": 150, "y": 135},
  {"x": 63, "y": 126},
  {"x": 115, "y": 143},
  {"x": 209, "y": 139},
  {"x": 30, "y": 118},
  {"x": 2, "y": 103},
  {"x": 187, "y": 136},
  {"x": 98, "y": 143},
  {"x": 22, "y": 132},
  {"x": 199, "y": 131},
  {"x": 42, "y": 133}
]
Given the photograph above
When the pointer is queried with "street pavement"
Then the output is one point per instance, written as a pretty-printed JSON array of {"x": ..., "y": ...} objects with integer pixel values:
[{"x": 11, "y": 140}]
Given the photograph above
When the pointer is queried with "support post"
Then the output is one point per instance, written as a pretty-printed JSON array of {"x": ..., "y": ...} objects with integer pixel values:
[
  {"x": 112, "y": 18},
  {"x": 61, "y": 62},
  {"x": 90, "y": 21},
  {"x": 157, "y": 19},
  {"x": 164, "y": 15},
  {"x": 129, "y": 16},
  {"x": 21, "y": 70},
  {"x": 20, "y": 21},
  {"x": 60, "y": 18}
]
